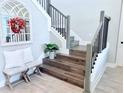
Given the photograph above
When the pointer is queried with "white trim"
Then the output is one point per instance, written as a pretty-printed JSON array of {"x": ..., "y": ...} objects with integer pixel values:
[
  {"x": 99, "y": 68},
  {"x": 112, "y": 65},
  {"x": 17, "y": 43},
  {"x": 98, "y": 78},
  {"x": 20, "y": 11},
  {"x": 13, "y": 8},
  {"x": 121, "y": 16},
  {"x": 62, "y": 47},
  {"x": 120, "y": 65}
]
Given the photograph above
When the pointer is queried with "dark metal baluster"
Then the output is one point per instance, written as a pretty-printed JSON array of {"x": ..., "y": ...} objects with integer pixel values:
[
  {"x": 105, "y": 34},
  {"x": 58, "y": 21},
  {"x": 65, "y": 28},
  {"x": 44, "y": 4},
  {"x": 39, "y": 2},
  {"x": 49, "y": 7},
  {"x": 62, "y": 26},
  {"x": 53, "y": 17},
  {"x": 68, "y": 32}
]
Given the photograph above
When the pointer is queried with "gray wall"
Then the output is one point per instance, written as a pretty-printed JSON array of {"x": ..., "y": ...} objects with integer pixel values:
[
  {"x": 40, "y": 36},
  {"x": 85, "y": 18}
]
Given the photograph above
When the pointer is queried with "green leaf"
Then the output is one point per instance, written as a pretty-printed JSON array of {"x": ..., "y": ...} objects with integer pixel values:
[{"x": 50, "y": 47}]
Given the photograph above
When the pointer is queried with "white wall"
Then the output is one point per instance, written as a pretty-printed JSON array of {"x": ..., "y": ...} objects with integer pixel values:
[
  {"x": 40, "y": 34},
  {"x": 85, "y": 18}
]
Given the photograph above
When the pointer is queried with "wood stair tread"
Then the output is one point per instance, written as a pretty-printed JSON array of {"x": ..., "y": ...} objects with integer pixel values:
[
  {"x": 70, "y": 68},
  {"x": 65, "y": 65},
  {"x": 80, "y": 67},
  {"x": 72, "y": 56},
  {"x": 80, "y": 48},
  {"x": 65, "y": 73}
]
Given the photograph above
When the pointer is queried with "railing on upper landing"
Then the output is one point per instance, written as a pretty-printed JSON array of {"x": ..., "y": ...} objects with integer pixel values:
[
  {"x": 98, "y": 43},
  {"x": 59, "y": 21}
]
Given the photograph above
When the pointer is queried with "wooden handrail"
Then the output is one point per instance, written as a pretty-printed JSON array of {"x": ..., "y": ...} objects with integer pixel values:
[{"x": 57, "y": 10}]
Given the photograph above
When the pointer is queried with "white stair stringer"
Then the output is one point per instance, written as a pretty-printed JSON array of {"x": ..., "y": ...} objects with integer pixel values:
[
  {"x": 43, "y": 12},
  {"x": 56, "y": 38}
]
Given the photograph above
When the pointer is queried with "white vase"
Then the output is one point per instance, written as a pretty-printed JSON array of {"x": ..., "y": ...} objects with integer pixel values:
[{"x": 51, "y": 55}]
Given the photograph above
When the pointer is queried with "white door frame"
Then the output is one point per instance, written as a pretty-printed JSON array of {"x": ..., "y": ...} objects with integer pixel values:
[{"x": 120, "y": 32}]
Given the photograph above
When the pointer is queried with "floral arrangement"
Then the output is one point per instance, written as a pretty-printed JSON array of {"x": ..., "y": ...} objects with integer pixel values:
[{"x": 16, "y": 24}]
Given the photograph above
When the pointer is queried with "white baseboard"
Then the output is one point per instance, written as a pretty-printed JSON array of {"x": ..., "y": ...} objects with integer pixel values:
[
  {"x": 96, "y": 81},
  {"x": 112, "y": 65},
  {"x": 120, "y": 65}
]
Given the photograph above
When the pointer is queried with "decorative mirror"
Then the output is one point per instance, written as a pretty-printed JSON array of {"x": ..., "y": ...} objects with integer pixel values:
[{"x": 14, "y": 24}]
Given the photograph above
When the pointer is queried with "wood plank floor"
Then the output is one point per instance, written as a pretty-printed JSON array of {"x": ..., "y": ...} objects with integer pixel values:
[{"x": 110, "y": 83}]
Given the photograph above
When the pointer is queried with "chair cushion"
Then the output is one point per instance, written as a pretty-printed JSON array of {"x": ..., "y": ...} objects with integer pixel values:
[
  {"x": 14, "y": 59},
  {"x": 13, "y": 71},
  {"x": 28, "y": 57},
  {"x": 33, "y": 64}
]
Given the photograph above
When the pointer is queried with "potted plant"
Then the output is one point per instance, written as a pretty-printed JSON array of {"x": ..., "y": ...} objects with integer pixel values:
[{"x": 51, "y": 49}]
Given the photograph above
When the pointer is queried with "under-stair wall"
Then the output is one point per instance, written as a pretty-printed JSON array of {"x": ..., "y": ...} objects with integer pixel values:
[{"x": 56, "y": 38}]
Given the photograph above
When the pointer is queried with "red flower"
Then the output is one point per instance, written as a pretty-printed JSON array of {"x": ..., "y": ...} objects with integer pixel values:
[{"x": 16, "y": 24}]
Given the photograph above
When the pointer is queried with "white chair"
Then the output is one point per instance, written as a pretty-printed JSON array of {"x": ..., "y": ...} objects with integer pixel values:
[
  {"x": 20, "y": 62},
  {"x": 30, "y": 63},
  {"x": 14, "y": 65},
  {"x": 36, "y": 65}
]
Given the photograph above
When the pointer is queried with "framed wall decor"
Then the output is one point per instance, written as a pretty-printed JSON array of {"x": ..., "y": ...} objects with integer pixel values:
[
  {"x": 15, "y": 25},
  {"x": 8, "y": 36}
]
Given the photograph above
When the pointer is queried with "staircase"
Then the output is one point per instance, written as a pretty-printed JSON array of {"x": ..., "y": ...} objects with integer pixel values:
[
  {"x": 78, "y": 65},
  {"x": 73, "y": 42},
  {"x": 70, "y": 68}
]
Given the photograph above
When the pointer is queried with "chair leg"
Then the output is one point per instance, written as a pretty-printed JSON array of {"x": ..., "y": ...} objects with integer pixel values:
[
  {"x": 38, "y": 71},
  {"x": 8, "y": 83},
  {"x": 28, "y": 77},
  {"x": 25, "y": 77},
  {"x": 35, "y": 70}
]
